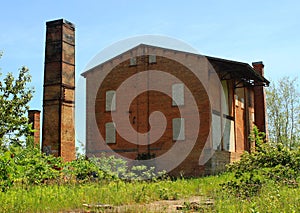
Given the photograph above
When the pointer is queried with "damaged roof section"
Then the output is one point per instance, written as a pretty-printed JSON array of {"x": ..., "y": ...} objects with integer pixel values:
[{"x": 243, "y": 73}]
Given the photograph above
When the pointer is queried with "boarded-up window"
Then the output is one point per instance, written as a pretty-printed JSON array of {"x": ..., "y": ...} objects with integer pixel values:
[
  {"x": 228, "y": 138},
  {"x": 216, "y": 131},
  {"x": 178, "y": 129},
  {"x": 225, "y": 105},
  {"x": 132, "y": 61},
  {"x": 110, "y": 132},
  {"x": 152, "y": 59},
  {"x": 177, "y": 95},
  {"x": 110, "y": 103}
]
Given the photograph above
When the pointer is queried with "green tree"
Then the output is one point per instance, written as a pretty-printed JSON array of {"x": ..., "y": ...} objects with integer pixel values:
[
  {"x": 283, "y": 108},
  {"x": 14, "y": 104}
]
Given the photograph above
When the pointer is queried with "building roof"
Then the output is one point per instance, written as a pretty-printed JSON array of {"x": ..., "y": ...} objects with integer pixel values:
[{"x": 227, "y": 69}]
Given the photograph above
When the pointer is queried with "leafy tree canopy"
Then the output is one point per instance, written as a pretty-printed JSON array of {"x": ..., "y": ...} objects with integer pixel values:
[
  {"x": 283, "y": 108},
  {"x": 15, "y": 96}
]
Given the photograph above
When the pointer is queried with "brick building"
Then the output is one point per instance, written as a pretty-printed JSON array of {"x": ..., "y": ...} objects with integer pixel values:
[
  {"x": 229, "y": 97},
  {"x": 207, "y": 106}
]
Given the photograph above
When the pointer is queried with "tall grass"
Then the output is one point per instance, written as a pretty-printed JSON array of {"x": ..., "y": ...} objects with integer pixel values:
[
  {"x": 67, "y": 197},
  {"x": 54, "y": 197},
  {"x": 272, "y": 198}
]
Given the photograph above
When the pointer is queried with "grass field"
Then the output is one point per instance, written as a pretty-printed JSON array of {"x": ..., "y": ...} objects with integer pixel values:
[{"x": 70, "y": 197}]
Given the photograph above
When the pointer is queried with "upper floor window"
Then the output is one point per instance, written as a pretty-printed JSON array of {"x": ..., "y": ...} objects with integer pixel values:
[
  {"x": 178, "y": 129},
  {"x": 177, "y": 95},
  {"x": 132, "y": 61},
  {"x": 110, "y": 100},
  {"x": 152, "y": 59}
]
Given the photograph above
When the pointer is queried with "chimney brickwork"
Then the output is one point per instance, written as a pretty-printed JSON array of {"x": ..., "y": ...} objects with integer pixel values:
[
  {"x": 260, "y": 100},
  {"x": 34, "y": 119},
  {"x": 58, "y": 136}
]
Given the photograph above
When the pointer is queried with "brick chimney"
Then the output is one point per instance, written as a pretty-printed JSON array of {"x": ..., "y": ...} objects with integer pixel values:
[
  {"x": 58, "y": 137},
  {"x": 34, "y": 119},
  {"x": 260, "y": 100}
]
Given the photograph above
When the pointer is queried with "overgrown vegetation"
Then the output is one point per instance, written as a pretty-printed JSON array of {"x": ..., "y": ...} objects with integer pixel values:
[
  {"x": 268, "y": 164},
  {"x": 33, "y": 182}
]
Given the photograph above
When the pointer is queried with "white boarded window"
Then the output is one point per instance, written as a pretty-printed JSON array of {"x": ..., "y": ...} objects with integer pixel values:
[
  {"x": 110, "y": 132},
  {"x": 216, "y": 131},
  {"x": 152, "y": 59},
  {"x": 225, "y": 106},
  {"x": 110, "y": 101},
  {"x": 178, "y": 129},
  {"x": 228, "y": 138},
  {"x": 177, "y": 95}
]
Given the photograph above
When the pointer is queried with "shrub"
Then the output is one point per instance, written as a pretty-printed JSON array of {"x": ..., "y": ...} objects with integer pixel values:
[{"x": 266, "y": 163}]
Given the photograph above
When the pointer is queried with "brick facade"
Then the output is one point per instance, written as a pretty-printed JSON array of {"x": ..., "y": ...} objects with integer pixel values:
[
  {"x": 34, "y": 120},
  {"x": 207, "y": 156}
]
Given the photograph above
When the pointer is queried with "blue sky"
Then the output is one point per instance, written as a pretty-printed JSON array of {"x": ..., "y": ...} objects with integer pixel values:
[{"x": 246, "y": 31}]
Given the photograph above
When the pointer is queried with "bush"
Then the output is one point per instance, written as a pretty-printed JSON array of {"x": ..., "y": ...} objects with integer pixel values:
[{"x": 266, "y": 163}]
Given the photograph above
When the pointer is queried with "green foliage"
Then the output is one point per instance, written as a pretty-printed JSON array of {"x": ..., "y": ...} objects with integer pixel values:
[
  {"x": 82, "y": 170},
  {"x": 257, "y": 138},
  {"x": 27, "y": 166},
  {"x": 14, "y": 101},
  {"x": 274, "y": 163},
  {"x": 6, "y": 170},
  {"x": 111, "y": 166}
]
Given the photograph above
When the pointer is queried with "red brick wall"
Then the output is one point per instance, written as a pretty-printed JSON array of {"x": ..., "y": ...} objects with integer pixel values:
[
  {"x": 146, "y": 103},
  {"x": 58, "y": 136},
  {"x": 114, "y": 72},
  {"x": 34, "y": 119},
  {"x": 260, "y": 100}
]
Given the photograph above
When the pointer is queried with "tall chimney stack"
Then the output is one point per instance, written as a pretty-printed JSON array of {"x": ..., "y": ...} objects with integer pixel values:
[
  {"x": 260, "y": 100},
  {"x": 58, "y": 136}
]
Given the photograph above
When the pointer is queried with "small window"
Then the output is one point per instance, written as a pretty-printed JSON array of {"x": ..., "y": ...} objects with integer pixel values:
[
  {"x": 177, "y": 95},
  {"x": 178, "y": 129},
  {"x": 110, "y": 132},
  {"x": 110, "y": 102},
  {"x": 132, "y": 61},
  {"x": 152, "y": 59}
]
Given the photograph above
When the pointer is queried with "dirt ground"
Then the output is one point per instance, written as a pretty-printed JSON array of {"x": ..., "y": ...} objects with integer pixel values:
[{"x": 192, "y": 204}]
